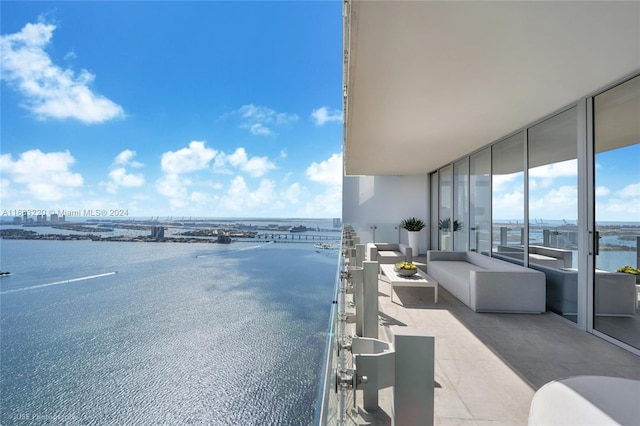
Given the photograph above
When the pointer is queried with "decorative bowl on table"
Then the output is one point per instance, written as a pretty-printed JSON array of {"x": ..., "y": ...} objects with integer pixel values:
[{"x": 405, "y": 269}]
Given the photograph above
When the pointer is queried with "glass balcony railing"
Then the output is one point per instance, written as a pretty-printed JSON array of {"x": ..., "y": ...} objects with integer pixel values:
[
  {"x": 357, "y": 360},
  {"x": 328, "y": 404},
  {"x": 336, "y": 393}
]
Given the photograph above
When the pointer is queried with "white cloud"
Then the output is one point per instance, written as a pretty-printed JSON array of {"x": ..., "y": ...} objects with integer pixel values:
[
  {"x": 558, "y": 203},
  {"x": 328, "y": 171},
  {"x": 46, "y": 176},
  {"x": 623, "y": 204},
  {"x": 509, "y": 205},
  {"x": 259, "y": 119},
  {"x": 118, "y": 175},
  {"x": 602, "y": 191},
  {"x": 175, "y": 164},
  {"x": 239, "y": 197},
  {"x": 326, "y": 204},
  {"x": 4, "y": 189},
  {"x": 70, "y": 55},
  {"x": 561, "y": 169},
  {"x": 500, "y": 182},
  {"x": 174, "y": 187},
  {"x": 254, "y": 166},
  {"x": 50, "y": 91},
  {"x": 292, "y": 194},
  {"x": 323, "y": 115},
  {"x": 125, "y": 158},
  {"x": 630, "y": 191},
  {"x": 258, "y": 129},
  {"x": 196, "y": 157},
  {"x": 543, "y": 176}
]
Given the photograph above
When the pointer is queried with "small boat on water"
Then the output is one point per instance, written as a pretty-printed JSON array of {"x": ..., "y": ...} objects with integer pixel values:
[{"x": 5, "y": 273}]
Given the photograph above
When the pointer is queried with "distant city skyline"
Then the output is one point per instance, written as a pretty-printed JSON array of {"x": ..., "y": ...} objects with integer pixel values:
[{"x": 183, "y": 109}]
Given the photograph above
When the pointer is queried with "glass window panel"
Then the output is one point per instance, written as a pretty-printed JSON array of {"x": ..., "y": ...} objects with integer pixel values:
[
  {"x": 480, "y": 201},
  {"x": 507, "y": 185},
  {"x": 553, "y": 209},
  {"x": 446, "y": 197},
  {"x": 435, "y": 245},
  {"x": 617, "y": 211},
  {"x": 460, "y": 205}
]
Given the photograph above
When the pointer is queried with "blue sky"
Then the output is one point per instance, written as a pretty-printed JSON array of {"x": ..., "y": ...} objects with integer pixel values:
[{"x": 218, "y": 109}]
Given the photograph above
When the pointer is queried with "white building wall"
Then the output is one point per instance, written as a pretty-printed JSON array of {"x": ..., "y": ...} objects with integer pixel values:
[{"x": 384, "y": 201}]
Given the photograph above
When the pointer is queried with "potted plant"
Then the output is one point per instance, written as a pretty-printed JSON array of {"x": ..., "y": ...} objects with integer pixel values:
[
  {"x": 444, "y": 224},
  {"x": 631, "y": 270},
  {"x": 413, "y": 226}
]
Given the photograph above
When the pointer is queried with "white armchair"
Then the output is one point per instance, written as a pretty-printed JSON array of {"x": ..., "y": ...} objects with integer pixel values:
[{"x": 389, "y": 253}]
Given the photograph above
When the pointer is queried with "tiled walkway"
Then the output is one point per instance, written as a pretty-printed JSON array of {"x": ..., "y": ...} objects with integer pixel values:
[{"x": 488, "y": 366}]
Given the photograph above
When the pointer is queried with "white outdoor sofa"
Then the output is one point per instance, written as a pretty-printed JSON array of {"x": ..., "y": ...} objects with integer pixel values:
[
  {"x": 389, "y": 253},
  {"x": 486, "y": 284},
  {"x": 539, "y": 255}
]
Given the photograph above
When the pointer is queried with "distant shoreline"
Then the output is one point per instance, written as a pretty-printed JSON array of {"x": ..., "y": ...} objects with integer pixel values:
[{"x": 19, "y": 234}]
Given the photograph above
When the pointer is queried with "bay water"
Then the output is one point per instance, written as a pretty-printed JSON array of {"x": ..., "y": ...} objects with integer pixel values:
[{"x": 133, "y": 333}]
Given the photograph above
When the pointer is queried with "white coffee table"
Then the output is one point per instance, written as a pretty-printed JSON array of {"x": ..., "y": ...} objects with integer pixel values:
[{"x": 420, "y": 279}]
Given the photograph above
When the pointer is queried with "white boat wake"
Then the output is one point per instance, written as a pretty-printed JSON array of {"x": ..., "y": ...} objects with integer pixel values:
[
  {"x": 234, "y": 251},
  {"x": 73, "y": 280}
]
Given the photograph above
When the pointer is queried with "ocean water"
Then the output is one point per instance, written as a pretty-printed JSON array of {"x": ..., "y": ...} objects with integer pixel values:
[{"x": 95, "y": 333}]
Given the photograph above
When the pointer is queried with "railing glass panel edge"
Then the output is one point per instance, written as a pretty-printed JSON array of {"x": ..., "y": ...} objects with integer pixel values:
[{"x": 327, "y": 404}]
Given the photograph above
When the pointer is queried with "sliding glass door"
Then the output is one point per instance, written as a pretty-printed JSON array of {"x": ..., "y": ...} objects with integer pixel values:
[
  {"x": 553, "y": 209},
  {"x": 617, "y": 212}
]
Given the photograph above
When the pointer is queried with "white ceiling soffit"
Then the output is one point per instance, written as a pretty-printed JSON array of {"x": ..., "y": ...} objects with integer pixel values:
[{"x": 428, "y": 82}]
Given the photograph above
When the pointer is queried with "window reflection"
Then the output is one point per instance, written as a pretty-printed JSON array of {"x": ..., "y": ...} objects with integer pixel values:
[
  {"x": 617, "y": 211},
  {"x": 553, "y": 209},
  {"x": 480, "y": 201},
  {"x": 460, "y": 205},
  {"x": 507, "y": 179},
  {"x": 445, "y": 222}
]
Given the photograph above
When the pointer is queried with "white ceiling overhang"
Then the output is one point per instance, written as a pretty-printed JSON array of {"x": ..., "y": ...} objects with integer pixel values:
[{"x": 428, "y": 82}]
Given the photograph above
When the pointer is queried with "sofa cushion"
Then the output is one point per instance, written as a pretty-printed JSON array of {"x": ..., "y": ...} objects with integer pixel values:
[
  {"x": 458, "y": 270},
  {"x": 388, "y": 256},
  {"x": 453, "y": 275},
  {"x": 492, "y": 263}
]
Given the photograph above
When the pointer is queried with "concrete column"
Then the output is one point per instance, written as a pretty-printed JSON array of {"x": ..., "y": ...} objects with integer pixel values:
[
  {"x": 357, "y": 277},
  {"x": 370, "y": 300},
  {"x": 360, "y": 249},
  {"x": 413, "y": 393},
  {"x": 350, "y": 255},
  {"x": 546, "y": 238},
  {"x": 503, "y": 235}
]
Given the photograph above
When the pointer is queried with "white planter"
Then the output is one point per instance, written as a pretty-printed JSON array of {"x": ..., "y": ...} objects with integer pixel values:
[
  {"x": 414, "y": 242},
  {"x": 445, "y": 241}
]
